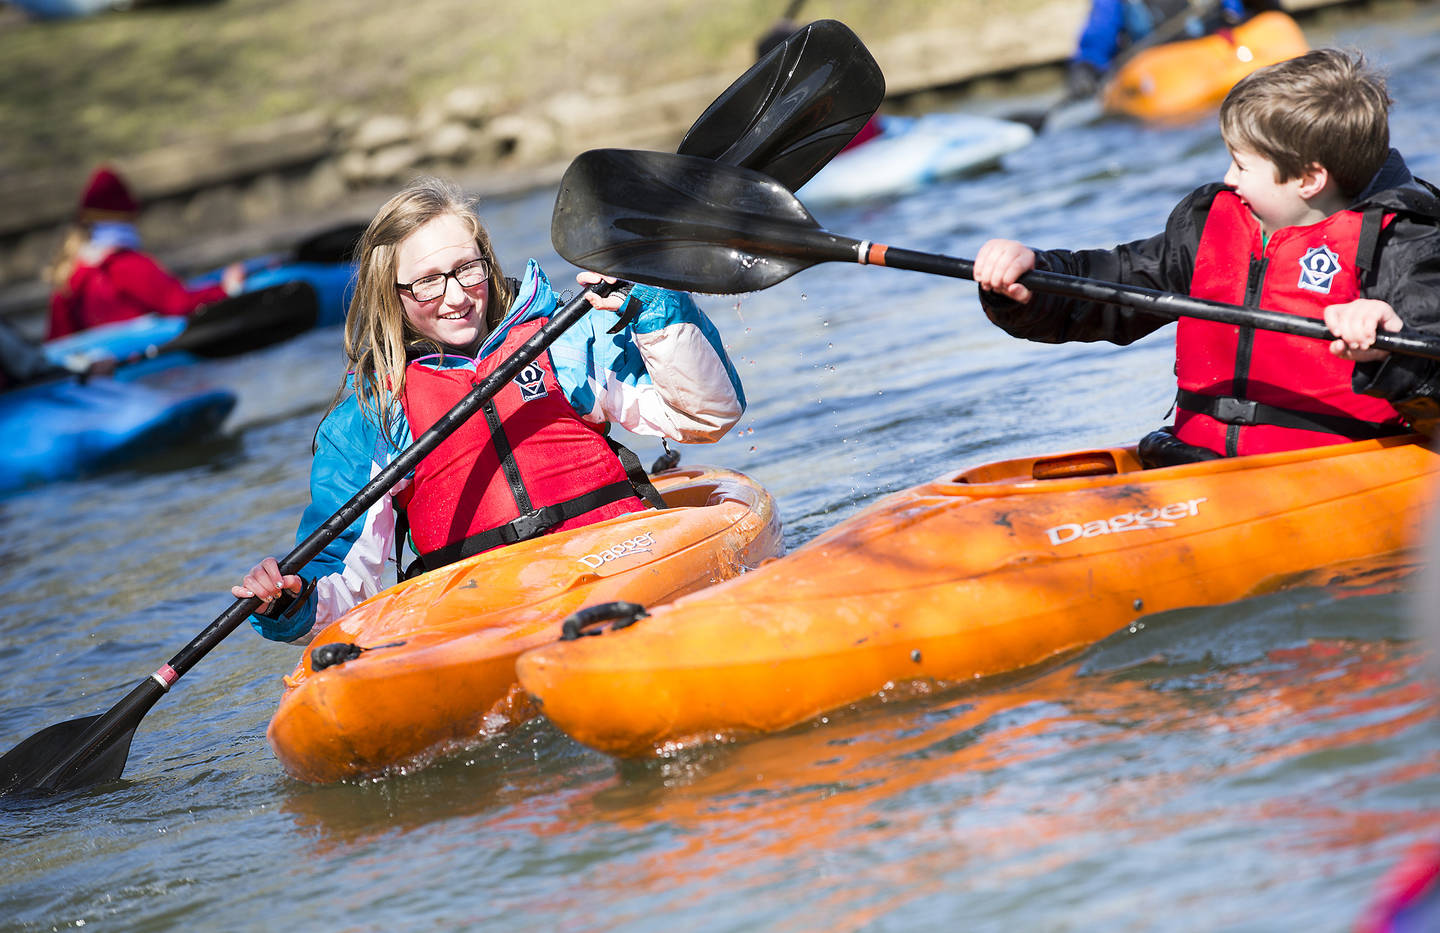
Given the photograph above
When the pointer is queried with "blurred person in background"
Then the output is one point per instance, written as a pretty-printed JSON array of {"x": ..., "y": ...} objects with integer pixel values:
[
  {"x": 100, "y": 275},
  {"x": 23, "y": 362}
]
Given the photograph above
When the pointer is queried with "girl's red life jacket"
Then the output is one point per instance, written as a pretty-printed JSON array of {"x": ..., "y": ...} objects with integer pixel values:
[
  {"x": 528, "y": 465},
  {"x": 1247, "y": 391}
]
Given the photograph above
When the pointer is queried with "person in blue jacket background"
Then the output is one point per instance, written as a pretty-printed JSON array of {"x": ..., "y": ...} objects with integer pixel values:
[{"x": 1115, "y": 25}]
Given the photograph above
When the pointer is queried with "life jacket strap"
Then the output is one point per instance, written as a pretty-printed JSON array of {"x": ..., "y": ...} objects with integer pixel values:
[
  {"x": 1244, "y": 412},
  {"x": 639, "y": 479},
  {"x": 532, "y": 524}
]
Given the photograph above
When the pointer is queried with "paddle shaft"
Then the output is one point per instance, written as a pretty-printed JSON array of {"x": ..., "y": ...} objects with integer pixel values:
[
  {"x": 821, "y": 246},
  {"x": 124, "y": 715},
  {"x": 1165, "y": 304}
]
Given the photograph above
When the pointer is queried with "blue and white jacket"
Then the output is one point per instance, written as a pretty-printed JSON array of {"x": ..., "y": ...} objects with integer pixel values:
[{"x": 665, "y": 374}]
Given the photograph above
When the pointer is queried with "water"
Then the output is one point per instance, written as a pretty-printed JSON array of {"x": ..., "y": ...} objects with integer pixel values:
[{"x": 1257, "y": 766}]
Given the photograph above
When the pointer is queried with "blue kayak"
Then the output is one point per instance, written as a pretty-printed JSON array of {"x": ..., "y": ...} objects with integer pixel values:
[
  {"x": 63, "y": 429},
  {"x": 67, "y": 9}
]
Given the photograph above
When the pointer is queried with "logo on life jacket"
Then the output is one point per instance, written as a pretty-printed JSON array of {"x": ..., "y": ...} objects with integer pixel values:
[
  {"x": 531, "y": 382},
  {"x": 1317, "y": 269}
]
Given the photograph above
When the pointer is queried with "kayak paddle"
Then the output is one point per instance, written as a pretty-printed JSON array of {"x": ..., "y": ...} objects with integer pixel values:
[
  {"x": 696, "y": 225},
  {"x": 248, "y": 321},
  {"x": 332, "y": 245},
  {"x": 781, "y": 116}
]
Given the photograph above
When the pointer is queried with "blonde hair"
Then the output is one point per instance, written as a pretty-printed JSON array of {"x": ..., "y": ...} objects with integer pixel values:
[
  {"x": 67, "y": 255},
  {"x": 1324, "y": 107},
  {"x": 377, "y": 330}
]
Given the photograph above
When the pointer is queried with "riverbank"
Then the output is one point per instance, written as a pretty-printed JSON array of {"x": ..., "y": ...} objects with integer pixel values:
[{"x": 399, "y": 97}]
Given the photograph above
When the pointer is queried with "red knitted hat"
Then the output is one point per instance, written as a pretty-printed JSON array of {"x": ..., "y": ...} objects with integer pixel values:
[{"x": 106, "y": 193}]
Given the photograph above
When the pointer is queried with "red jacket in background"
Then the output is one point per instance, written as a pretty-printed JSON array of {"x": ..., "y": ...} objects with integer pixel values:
[{"x": 124, "y": 285}]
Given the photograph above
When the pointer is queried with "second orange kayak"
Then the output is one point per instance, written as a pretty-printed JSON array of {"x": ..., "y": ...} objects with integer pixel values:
[
  {"x": 981, "y": 572},
  {"x": 1179, "y": 80}
]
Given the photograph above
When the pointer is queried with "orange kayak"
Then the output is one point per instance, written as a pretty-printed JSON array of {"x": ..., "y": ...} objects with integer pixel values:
[
  {"x": 434, "y": 657},
  {"x": 984, "y": 572},
  {"x": 1179, "y": 80}
]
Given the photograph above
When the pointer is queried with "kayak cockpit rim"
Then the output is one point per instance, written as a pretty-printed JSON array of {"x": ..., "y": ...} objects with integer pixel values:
[{"x": 1121, "y": 465}]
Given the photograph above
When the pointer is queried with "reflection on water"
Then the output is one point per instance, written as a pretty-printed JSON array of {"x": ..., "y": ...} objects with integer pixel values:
[{"x": 1255, "y": 766}]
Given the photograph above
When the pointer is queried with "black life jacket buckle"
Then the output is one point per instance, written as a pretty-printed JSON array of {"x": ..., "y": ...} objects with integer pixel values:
[
  {"x": 533, "y": 524},
  {"x": 1234, "y": 410}
]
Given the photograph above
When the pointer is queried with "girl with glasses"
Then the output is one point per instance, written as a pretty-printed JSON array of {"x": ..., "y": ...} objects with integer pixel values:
[{"x": 432, "y": 315}]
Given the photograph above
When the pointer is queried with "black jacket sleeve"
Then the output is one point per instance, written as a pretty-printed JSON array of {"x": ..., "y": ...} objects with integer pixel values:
[
  {"x": 23, "y": 361},
  {"x": 1407, "y": 276},
  {"x": 1165, "y": 262}
]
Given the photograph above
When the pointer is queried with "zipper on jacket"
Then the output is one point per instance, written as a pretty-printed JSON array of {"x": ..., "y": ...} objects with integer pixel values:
[{"x": 1245, "y": 347}]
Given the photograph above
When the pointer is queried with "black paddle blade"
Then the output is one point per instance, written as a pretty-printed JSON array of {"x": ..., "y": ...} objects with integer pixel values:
[
  {"x": 335, "y": 244},
  {"x": 795, "y": 108},
  {"x": 679, "y": 222},
  {"x": 25, "y": 767},
  {"x": 249, "y": 321}
]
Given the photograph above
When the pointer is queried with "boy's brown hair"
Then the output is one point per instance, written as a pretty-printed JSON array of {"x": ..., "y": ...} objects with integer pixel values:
[{"x": 1322, "y": 107}]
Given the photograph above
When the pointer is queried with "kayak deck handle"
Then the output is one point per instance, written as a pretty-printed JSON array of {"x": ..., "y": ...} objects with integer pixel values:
[
  {"x": 619, "y": 614},
  {"x": 338, "y": 652}
]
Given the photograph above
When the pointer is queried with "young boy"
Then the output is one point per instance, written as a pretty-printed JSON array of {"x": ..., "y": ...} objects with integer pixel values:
[{"x": 1318, "y": 217}]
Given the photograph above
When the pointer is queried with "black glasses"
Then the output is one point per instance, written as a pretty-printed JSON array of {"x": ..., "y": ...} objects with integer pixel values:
[{"x": 430, "y": 287}]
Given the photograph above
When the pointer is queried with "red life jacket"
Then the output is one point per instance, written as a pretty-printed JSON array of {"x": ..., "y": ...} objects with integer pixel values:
[
  {"x": 528, "y": 467},
  {"x": 1247, "y": 391},
  {"x": 125, "y": 284}
]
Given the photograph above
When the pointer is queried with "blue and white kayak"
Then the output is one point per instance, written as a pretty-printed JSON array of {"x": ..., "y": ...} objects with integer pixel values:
[
  {"x": 263, "y": 315},
  {"x": 68, "y": 9},
  {"x": 124, "y": 340},
  {"x": 67, "y": 428},
  {"x": 912, "y": 152}
]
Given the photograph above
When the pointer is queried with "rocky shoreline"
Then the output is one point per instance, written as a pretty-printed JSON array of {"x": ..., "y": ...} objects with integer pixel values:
[{"x": 210, "y": 202}]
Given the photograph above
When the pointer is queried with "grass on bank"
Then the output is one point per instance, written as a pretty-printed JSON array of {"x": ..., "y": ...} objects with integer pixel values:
[{"x": 79, "y": 91}]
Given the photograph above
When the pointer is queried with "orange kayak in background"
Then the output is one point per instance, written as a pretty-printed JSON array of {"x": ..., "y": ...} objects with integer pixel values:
[
  {"x": 1179, "y": 80},
  {"x": 985, "y": 572},
  {"x": 430, "y": 662}
]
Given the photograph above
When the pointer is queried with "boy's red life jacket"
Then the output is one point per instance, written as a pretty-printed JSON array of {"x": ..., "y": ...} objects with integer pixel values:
[
  {"x": 1248, "y": 391},
  {"x": 527, "y": 466}
]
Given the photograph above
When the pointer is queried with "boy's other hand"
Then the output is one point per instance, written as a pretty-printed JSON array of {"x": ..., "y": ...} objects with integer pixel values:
[
  {"x": 999, "y": 265},
  {"x": 1355, "y": 324}
]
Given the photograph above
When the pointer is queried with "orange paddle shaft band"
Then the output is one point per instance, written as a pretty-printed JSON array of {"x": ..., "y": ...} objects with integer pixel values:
[{"x": 872, "y": 254}]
